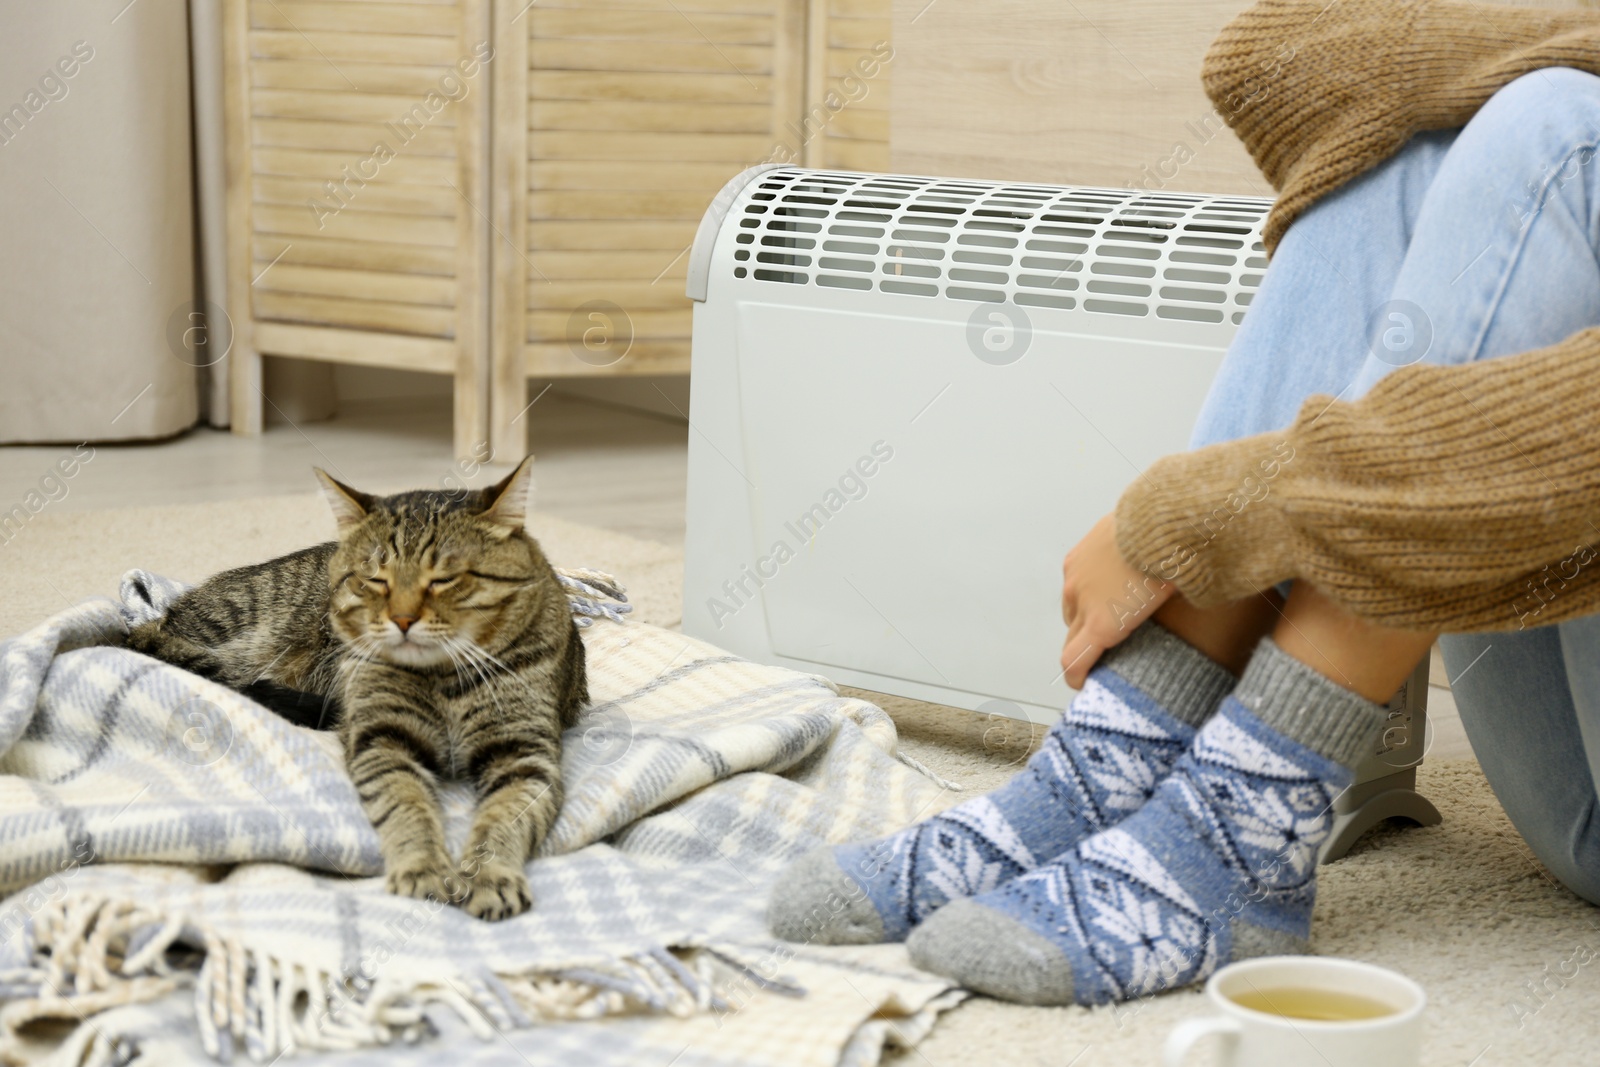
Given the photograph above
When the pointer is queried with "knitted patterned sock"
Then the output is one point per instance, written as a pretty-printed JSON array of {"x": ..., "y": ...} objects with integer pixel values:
[
  {"x": 1219, "y": 866},
  {"x": 1135, "y": 716}
]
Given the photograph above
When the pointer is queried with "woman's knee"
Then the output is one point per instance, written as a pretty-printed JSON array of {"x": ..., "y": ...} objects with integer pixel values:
[
  {"x": 1544, "y": 92},
  {"x": 1549, "y": 110}
]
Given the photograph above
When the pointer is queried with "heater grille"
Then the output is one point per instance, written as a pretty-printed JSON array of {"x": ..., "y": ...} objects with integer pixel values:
[{"x": 1106, "y": 251}]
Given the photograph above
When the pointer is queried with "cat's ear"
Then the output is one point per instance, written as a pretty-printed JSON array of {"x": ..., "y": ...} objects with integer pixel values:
[
  {"x": 349, "y": 506},
  {"x": 508, "y": 499}
]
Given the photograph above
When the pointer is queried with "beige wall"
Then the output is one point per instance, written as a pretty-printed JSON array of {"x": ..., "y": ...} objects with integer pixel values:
[{"x": 1090, "y": 92}]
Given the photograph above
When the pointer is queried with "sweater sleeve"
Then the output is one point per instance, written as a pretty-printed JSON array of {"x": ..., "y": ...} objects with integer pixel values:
[
  {"x": 1320, "y": 92},
  {"x": 1448, "y": 498}
]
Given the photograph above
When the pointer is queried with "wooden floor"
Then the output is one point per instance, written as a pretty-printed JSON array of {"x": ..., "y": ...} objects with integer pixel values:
[{"x": 598, "y": 464}]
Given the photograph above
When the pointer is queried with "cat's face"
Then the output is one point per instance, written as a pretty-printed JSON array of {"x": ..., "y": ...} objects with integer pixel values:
[{"x": 431, "y": 579}]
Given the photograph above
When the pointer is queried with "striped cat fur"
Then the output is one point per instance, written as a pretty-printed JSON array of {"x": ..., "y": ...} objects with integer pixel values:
[{"x": 434, "y": 636}]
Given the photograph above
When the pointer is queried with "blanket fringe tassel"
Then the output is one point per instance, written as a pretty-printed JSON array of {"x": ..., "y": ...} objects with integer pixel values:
[
  {"x": 922, "y": 769},
  {"x": 93, "y": 953}
]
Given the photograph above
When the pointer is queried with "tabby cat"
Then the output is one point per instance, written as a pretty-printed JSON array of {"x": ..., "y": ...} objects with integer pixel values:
[{"x": 436, "y": 638}]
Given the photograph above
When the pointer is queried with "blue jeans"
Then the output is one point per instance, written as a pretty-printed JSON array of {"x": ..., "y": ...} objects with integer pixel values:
[{"x": 1469, "y": 244}]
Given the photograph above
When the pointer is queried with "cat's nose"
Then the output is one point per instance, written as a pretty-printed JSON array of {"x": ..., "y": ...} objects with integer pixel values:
[{"x": 403, "y": 621}]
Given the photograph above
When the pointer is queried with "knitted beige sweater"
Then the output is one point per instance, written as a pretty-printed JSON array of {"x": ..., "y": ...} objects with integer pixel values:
[{"x": 1449, "y": 498}]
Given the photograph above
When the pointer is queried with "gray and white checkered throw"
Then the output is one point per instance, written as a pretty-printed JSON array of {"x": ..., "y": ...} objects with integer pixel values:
[{"x": 190, "y": 878}]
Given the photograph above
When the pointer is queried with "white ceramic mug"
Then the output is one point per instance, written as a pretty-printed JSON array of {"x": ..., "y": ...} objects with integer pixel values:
[{"x": 1259, "y": 1039}]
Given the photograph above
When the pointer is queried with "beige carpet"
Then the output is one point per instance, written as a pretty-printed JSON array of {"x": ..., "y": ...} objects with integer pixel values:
[{"x": 1511, "y": 962}]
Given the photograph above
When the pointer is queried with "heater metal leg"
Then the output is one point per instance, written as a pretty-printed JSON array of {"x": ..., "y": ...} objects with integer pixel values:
[
  {"x": 1364, "y": 806},
  {"x": 1385, "y": 785}
]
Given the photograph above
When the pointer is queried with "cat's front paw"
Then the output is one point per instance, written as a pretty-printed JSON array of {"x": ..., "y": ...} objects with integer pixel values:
[
  {"x": 427, "y": 880},
  {"x": 495, "y": 892}
]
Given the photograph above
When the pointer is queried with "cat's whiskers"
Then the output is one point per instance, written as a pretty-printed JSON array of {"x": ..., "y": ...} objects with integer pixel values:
[
  {"x": 492, "y": 660},
  {"x": 362, "y": 651},
  {"x": 487, "y": 663},
  {"x": 469, "y": 651},
  {"x": 489, "y": 657},
  {"x": 455, "y": 662},
  {"x": 485, "y": 656}
]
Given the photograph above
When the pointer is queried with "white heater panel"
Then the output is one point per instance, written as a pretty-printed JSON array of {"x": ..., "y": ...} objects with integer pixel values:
[
  {"x": 942, "y": 566},
  {"x": 1023, "y": 351}
]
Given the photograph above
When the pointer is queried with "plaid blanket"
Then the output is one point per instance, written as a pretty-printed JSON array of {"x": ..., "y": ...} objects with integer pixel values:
[{"x": 191, "y": 877}]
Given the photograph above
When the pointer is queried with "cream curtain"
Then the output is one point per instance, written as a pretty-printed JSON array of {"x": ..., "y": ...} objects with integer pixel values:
[{"x": 97, "y": 278}]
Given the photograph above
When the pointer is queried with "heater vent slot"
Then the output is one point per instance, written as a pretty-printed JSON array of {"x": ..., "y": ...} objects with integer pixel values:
[{"x": 1186, "y": 257}]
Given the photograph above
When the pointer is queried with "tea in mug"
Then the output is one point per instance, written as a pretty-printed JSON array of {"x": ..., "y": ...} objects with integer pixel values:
[{"x": 1321, "y": 1005}]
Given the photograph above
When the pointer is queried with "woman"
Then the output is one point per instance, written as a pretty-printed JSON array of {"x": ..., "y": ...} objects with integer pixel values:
[{"x": 1405, "y": 428}]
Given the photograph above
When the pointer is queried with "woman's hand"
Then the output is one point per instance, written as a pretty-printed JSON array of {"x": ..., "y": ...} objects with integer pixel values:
[{"x": 1102, "y": 599}]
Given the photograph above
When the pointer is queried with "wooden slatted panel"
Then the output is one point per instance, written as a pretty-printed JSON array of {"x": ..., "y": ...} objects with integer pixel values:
[
  {"x": 848, "y": 63},
  {"x": 638, "y": 111},
  {"x": 356, "y": 137},
  {"x": 358, "y": 185}
]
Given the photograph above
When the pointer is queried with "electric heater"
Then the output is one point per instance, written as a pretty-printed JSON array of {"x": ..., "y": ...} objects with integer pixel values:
[{"x": 912, "y": 395}]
